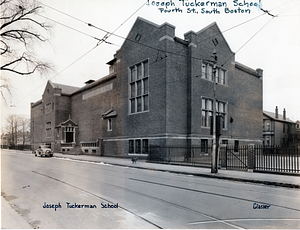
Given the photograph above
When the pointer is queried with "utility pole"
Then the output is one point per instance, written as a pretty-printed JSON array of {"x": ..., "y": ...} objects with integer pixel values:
[{"x": 214, "y": 165}]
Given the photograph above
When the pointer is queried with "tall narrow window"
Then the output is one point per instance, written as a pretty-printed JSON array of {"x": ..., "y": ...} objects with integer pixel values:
[
  {"x": 131, "y": 146},
  {"x": 207, "y": 111},
  {"x": 48, "y": 129},
  {"x": 145, "y": 146},
  {"x": 204, "y": 145},
  {"x": 137, "y": 146},
  {"x": 109, "y": 125},
  {"x": 208, "y": 72},
  {"x": 221, "y": 111},
  {"x": 139, "y": 87},
  {"x": 236, "y": 145},
  {"x": 48, "y": 107},
  {"x": 69, "y": 134}
]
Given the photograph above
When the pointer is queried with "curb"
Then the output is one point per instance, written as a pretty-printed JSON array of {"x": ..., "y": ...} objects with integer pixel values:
[
  {"x": 10, "y": 219},
  {"x": 215, "y": 176}
]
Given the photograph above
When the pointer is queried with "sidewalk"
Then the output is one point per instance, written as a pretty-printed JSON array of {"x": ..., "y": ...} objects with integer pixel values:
[
  {"x": 250, "y": 177},
  {"x": 10, "y": 219}
]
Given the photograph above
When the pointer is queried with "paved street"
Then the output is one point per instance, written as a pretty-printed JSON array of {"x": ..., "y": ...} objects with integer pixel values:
[{"x": 136, "y": 198}]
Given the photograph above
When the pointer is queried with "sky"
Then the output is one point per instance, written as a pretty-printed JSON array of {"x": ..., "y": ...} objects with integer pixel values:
[{"x": 258, "y": 39}]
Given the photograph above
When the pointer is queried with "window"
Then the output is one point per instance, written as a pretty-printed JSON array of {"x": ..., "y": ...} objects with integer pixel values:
[
  {"x": 138, "y": 37},
  {"x": 268, "y": 141},
  {"x": 283, "y": 128},
  {"x": 224, "y": 142},
  {"x": 109, "y": 127},
  {"x": 207, "y": 73},
  {"x": 139, "y": 87},
  {"x": 69, "y": 134},
  {"x": 48, "y": 129},
  {"x": 204, "y": 145},
  {"x": 236, "y": 145},
  {"x": 207, "y": 111},
  {"x": 69, "y": 129},
  {"x": 145, "y": 146},
  {"x": 48, "y": 107},
  {"x": 221, "y": 111},
  {"x": 131, "y": 146},
  {"x": 138, "y": 146}
]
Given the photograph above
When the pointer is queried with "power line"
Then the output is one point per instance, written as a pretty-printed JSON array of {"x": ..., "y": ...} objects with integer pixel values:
[
  {"x": 100, "y": 41},
  {"x": 112, "y": 33},
  {"x": 288, "y": 9},
  {"x": 59, "y": 72},
  {"x": 130, "y": 17},
  {"x": 248, "y": 41},
  {"x": 108, "y": 34}
]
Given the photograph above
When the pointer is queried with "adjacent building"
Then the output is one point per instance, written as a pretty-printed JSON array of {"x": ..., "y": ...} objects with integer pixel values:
[
  {"x": 298, "y": 133},
  {"x": 279, "y": 130},
  {"x": 159, "y": 92}
]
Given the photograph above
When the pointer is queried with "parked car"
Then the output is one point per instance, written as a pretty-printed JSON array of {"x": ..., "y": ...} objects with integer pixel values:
[{"x": 43, "y": 150}]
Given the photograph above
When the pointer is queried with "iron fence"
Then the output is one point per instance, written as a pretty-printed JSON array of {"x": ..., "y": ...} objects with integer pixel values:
[
  {"x": 258, "y": 158},
  {"x": 237, "y": 158},
  {"x": 278, "y": 159}
]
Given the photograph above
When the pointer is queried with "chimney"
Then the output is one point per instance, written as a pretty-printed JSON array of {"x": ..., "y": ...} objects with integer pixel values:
[
  {"x": 284, "y": 114},
  {"x": 259, "y": 72},
  {"x": 276, "y": 112},
  {"x": 89, "y": 82}
]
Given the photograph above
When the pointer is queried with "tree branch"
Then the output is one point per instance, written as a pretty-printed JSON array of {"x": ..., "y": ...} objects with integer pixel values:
[
  {"x": 22, "y": 35},
  {"x": 37, "y": 66},
  {"x": 15, "y": 18},
  {"x": 6, "y": 49}
]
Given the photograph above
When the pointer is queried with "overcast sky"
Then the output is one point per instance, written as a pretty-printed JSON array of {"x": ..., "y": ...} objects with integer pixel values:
[{"x": 263, "y": 41}]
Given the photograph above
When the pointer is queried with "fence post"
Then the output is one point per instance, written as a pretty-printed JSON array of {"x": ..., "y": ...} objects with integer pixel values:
[
  {"x": 223, "y": 156},
  {"x": 251, "y": 156}
]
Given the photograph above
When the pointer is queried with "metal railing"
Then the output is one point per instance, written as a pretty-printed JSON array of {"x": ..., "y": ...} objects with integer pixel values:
[
  {"x": 258, "y": 158},
  {"x": 278, "y": 159},
  {"x": 237, "y": 157}
]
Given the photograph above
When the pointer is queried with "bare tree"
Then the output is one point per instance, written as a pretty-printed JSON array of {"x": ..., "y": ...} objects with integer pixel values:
[
  {"x": 12, "y": 128},
  {"x": 23, "y": 123},
  {"x": 20, "y": 30},
  {"x": 17, "y": 125}
]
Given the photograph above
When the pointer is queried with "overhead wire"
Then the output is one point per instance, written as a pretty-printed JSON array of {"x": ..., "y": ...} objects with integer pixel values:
[
  {"x": 164, "y": 51},
  {"x": 288, "y": 10},
  {"x": 145, "y": 45},
  {"x": 99, "y": 42},
  {"x": 58, "y": 73},
  {"x": 108, "y": 34},
  {"x": 79, "y": 31},
  {"x": 259, "y": 30},
  {"x": 248, "y": 41}
]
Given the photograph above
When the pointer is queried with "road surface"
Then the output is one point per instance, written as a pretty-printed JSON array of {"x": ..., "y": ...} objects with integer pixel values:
[{"x": 63, "y": 193}]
